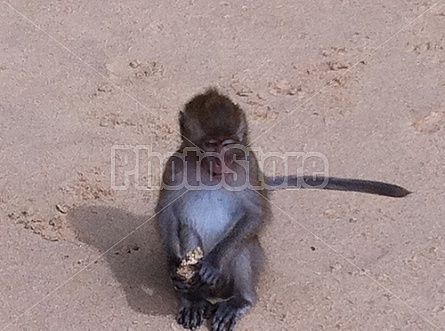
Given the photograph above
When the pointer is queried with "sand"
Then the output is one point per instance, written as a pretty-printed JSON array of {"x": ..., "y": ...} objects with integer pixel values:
[{"x": 361, "y": 83}]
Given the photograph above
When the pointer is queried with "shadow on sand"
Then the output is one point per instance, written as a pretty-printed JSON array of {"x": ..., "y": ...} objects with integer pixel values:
[{"x": 137, "y": 262}]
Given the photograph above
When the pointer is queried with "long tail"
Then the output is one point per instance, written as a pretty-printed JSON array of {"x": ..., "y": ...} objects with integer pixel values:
[{"x": 338, "y": 184}]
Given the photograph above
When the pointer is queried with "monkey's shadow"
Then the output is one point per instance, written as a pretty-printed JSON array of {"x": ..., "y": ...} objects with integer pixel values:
[{"x": 137, "y": 261}]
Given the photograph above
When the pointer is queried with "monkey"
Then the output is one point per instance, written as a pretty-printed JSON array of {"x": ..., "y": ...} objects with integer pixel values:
[{"x": 193, "y": 210}]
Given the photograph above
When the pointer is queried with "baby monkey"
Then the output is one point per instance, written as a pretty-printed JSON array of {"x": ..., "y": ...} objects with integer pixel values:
[{"x": 214, "y": 201}]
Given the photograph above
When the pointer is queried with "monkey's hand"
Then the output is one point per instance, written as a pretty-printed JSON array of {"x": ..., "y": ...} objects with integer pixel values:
[
  {"x": 209, "y": 271},
  {"x": 180, "y": 283}
]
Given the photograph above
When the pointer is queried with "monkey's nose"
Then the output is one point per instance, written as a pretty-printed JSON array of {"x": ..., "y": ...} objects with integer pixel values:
[{"x": 216, "y": 167}]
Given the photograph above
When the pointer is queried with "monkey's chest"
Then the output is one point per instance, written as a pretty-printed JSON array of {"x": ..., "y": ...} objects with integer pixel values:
[{"x": 211, "y": 214}]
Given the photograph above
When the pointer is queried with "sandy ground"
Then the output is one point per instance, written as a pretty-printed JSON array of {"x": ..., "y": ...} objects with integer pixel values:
[{"x": 80, "y": 77}]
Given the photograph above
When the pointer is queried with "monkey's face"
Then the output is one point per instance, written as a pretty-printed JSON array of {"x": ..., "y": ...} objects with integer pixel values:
[{"x": 222, "y": 158}]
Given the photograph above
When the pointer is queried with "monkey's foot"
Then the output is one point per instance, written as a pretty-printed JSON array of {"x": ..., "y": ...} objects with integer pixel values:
[
  {"x": 228, "y": 312},
  {"x": 192, "y": 312}
]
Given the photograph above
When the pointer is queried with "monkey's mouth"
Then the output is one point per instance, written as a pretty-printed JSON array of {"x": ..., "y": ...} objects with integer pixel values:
[
  {"x": 216, "y": 174},
  {"x": 216, "y": 169}
]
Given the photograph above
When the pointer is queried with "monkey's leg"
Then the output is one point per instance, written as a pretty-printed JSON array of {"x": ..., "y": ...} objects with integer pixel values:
[
  {"x": 193, "y": 310},
  {"x": 244, "y": 268}
]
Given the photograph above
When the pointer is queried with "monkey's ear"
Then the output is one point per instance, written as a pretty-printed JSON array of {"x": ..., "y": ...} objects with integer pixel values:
[
  {"x": 182, "y": 123},
  {"x": 242, "y": 131}
]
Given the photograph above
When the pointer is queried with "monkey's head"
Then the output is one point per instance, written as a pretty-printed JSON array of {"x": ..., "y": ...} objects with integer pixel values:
[
  {"x": 212, "y": 116},
  {"x": 212, "y": 122}
]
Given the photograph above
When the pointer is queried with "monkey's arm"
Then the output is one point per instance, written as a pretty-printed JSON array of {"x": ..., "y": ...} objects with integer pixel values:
[
  {"x": 167, "y": 215},
  {"x": 338, "y": 184},
  {"x": 169, "y": 227},
  {"x": 170, "y": 232}
]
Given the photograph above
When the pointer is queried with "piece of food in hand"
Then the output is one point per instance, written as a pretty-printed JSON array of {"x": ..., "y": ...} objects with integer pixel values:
[{"x": 189, "y": 265}]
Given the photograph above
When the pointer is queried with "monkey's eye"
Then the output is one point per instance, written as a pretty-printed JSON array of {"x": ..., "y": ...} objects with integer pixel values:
[
  {"x": 229, "y": 142},
  {"x": 211, "y": 144}
]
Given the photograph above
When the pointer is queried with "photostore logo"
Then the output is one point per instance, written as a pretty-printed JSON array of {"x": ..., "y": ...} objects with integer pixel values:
[{"x": 138, "y": 166}]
